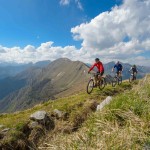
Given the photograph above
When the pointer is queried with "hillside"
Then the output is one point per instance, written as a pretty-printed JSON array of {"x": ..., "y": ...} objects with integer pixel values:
[
  {"x": 13, "y": 77},
  {"x": 61, "y": 77},
  {"x": 41, "y": 82},
  {"x": 123, "y": 124}
]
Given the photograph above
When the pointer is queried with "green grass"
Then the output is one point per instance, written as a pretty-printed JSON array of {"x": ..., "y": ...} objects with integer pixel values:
[
  {"x": 66, "y": 104},
  {"x": 124, "y": 124},
  {"x": 78, "y": 108}
]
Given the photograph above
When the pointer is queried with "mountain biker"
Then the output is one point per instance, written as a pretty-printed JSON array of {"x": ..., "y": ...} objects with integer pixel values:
[
  {"x": 119, "y": 68},
  {"x": 100, "y": 71},
  {"x": 133, "y": 70}
]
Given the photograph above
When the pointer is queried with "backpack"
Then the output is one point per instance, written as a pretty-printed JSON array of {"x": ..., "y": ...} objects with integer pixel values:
[{"x": 134, "y": 69}]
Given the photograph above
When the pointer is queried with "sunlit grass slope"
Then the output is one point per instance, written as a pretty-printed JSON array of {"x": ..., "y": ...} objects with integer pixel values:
[
  {"x": 95, "y": 130},
  {"x": 122, "y": 125}
]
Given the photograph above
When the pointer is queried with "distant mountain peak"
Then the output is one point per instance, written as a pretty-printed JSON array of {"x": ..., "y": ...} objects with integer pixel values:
[{"x": 63, "y": 59}]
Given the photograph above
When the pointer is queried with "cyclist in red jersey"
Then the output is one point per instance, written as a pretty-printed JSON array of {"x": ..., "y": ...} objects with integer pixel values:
[{"x": 100, "y": 71}]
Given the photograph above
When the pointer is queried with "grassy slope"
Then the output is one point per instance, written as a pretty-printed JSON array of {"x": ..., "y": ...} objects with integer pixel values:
[
  {"x": 64, "y": 104},
  {"x": 124, "y": 124}
]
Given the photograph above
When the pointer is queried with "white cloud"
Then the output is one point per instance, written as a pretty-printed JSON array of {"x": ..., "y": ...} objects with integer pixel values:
[
  {"x": 67, "y": 2},
  {"x": 45, "y": 51},
  {"x": 2, "y": 49},
  {"x": 64, "y": 2},
  {"x": 106, "y": 35},
  {"x": 120, "y": 34},
  {"x": 79, "y": 5}
]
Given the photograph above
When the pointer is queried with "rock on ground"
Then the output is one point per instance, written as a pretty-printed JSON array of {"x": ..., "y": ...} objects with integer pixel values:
[
  {"x": 104, "y": 103},
  {"x": 39, "y": 116}
]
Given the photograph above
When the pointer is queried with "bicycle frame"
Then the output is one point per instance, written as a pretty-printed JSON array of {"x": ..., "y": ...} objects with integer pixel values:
[
  {"x": 94, "y": 75},
  {"x": 99, "y": 83},
  {"x": 133, "y": 75},
  {"x": 117, "y": 79},
  {"x": 118, "y": 75}
]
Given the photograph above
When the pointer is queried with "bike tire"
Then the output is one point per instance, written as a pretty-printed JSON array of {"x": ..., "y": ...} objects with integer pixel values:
[
  {"x": 119, "y": 80},
  {"x": 130, "y": 79},
  {"x": 114, "y": 82},
  {"x": 134, "y": 78},
  {"x": 90, "y": 86},
  {"x": 102, "y": 84}
]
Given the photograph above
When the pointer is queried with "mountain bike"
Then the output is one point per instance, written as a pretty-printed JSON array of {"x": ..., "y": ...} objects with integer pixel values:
[
  {"x": 117, "y": 79},
  {"x": 132, "y": 77},
  {"x": 91, "y": 84}
]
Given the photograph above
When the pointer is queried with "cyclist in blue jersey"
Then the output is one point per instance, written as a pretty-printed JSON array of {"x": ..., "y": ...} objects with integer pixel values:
[{"x": 118, "y": 67}]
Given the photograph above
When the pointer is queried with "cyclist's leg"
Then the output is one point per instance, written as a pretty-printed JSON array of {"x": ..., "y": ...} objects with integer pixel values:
[
  {"x": 134, "y": 74},
  {"x": 98, "y": 77},
  {"x": 95, "y": 80},
  {"x": 120, "y": 74},
  {"x": 117, "y": 74},
  {"x": 100, "y": 74}
]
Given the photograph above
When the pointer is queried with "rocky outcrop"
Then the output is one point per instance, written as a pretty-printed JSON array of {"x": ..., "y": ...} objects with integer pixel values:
[
  {"x": 60, "y": 114},
  {"x": 39, "y": 116},
  {"x": 40, "y": 122},
  {"x": 43, "y": 119}
]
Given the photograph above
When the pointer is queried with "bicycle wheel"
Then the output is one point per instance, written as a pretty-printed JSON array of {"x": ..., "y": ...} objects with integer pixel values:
[
  {"x": 130, "y": 78},
  {"x": 114, "y": 82},
  {"x": 119, "y": 80},
  {"x": 102, "y": 83},
  {"x": 90, "y": 86},
  {"x": 134, "y": 78}
]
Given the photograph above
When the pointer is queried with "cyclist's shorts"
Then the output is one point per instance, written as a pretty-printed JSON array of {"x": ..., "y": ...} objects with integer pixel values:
[
  {"x": 118, "y": 72},
  {"x": 101, "y": 73},
  {"x": 134, "y": 72}
]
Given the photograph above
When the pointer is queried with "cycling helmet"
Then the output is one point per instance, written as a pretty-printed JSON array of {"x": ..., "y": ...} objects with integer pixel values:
[
  {"x": 96, "y": 59},
  {"x": 117, "y": 62},
  {"x": 134, "y": 66}
]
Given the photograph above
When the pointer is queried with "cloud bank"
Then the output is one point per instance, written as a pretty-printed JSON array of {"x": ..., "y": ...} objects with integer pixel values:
[{"x": 120, "y": 34}]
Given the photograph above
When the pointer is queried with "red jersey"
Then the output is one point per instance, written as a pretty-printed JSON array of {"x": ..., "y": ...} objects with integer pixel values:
[{"x": 99, "y": 66}]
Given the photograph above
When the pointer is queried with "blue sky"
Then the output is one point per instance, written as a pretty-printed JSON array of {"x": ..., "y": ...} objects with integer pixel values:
[
  {"x": 33, "y": 22},
  {"x": 36, "y": 30}
]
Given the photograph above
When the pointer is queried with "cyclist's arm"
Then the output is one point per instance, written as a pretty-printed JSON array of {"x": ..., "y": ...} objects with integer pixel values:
[
  {"x": 113, "y": 68},
  {"x": 92, "y": 68},
  {"x": 130, "y": 69}
]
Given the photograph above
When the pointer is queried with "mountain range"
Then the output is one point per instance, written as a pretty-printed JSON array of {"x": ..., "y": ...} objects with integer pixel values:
[
  {"x": 37, "y": 84},
  {"x": 12, "y": 69},
  {"x": 48, "y": 80}
]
